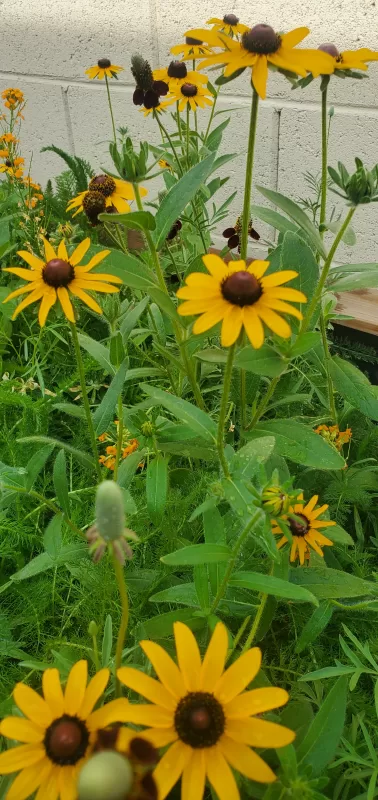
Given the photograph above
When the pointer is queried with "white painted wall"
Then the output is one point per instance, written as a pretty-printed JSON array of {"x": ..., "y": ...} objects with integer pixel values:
[{"x": 46, "y": 46}]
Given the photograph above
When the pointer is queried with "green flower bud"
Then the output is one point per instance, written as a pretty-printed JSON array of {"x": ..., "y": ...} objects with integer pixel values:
[
  {"x": 110, "y": 514},
  {"x": 93, "y": 628},
  {"x": 147, "y": 428},
  {"x": 106, "y": 776}
]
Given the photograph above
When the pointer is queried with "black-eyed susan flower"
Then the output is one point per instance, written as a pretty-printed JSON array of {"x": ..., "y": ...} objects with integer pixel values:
[
  {"x": 103, "y": 69},
  {"x": 57, "y": 732},
  {"x": 121, "y": 767},
  {"x": 348, "y": 59},
  {"x": 260, "y": 47},
  {"x": 305, "y": 530},
  {"x": 241, "y": 297},
  {"x": 233, "y": 234},
  {"x": 176, "y": 74},
  {"x": 193, "y": 95},
  {"x": 117, "y": 193},
  {"x": 202, "y": 711},
  {"x": 192, "y": 49},
  {"x": 149, "y": 88},
  {"x": 230, "y": 25},
  {"x": 51, "y": 279}
]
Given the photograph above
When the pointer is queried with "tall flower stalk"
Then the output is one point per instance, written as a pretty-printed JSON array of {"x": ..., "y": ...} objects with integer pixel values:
[{"x": 86, "y": 406}]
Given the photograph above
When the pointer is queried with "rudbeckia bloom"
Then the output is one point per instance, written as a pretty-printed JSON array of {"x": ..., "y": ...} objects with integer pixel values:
[
  {"x": 229, "y": 25},
  {"x": 191, "y": 94},
  {"x": 116, "y": 194},
  {"x": 241, "y": 297},
  {"x": 50, "y": 280},
  {"x": 192, "y": 49},
  {"x": 305, "y": 533},
  {"x": 205, "y": 715},
  {"x": 261, "y": 46},
  {"x": 177, "y": 74},
  {"x": 57, "y": 732},
  {"x": 349, "y": 59},
  {"x": 103, "y": 68}
]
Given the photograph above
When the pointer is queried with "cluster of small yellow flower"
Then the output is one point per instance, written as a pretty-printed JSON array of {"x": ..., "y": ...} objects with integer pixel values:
[
  {"x": 129, "y": 445},
  {"x": 13, "y": 162},
  {"x": 334, "y": 435}
]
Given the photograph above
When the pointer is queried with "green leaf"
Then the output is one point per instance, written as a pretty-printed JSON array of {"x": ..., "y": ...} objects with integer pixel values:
[
  {"x": 201, "y": 583},
  {"x": 314, "y": 626},
  {"x": 242, "y": 502},
  {"x": 214, "y": 534},
  {"x": 354, "y": 387},
  {"x": 98, "y": 351},
  {"x": 164, "y": 302},
  {"x": 131, "y": 318},
  {"x": 364, "y": 280},
  {"x": 178, "y": 197},
  {"x": 128, "y": 468},
  {"x": 198, "y": 420},
  {"x": 190, "y": 449},
  {"x": 197, "y": 554},
  {"x": 36, "y": 464},
  {"x": 269, "y": 584},
  {"x": 52, "y": 537},
  {"x": 299, "y": 443},
  {"x": 104, "y": 414},
  {"x": 327, "y": 672},
  {"x": 307, "y": 342},
  {"x": 273, "y": 218},
  {"x": 107, "y": 642},
  {"x": 297, "y": 255},
  {"x": 69, "y": 408},
  {"x": 246, "y": 462},
  {"x": 136, "y": 220},
  {"x": 184, "y": 593},
  {"x": 157, "y": 488},
  {"x": 132, "y": 270},
  {"x": 161, "y": 627},
  {"x": 60, "y": 482},
  {"x": 116, "y": 349},
  {"x": 338, "y": 535},
  {"x": 79, "y": 454},
  {"x": 345, "y": 268},
  {"x": 295, "y": 212},
  {"x": 264, "y": 361},
  {"x": 331, "y": 583},
  {"x": 39, "y": 564},
  {"x": 321, "y": 741}
]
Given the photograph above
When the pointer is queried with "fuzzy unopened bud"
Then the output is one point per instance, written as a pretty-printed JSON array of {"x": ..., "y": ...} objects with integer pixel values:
[
  {"x": 106, "y": 775},
  {"x": 110, "y": 514}
]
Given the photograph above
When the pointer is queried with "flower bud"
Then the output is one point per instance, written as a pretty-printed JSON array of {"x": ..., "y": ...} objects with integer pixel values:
[
  {"x": 92, "y": 628},
  {"x": 106, "y": 776},
  {"x": 110, "y": 514}
]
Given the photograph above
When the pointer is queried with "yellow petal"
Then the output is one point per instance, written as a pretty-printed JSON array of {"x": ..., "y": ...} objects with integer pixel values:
[
  {"x": 188, "y": 656},
  {"x": 85, "y": 298},
  {"x": 20, "y": 757},
  {"x": 48, "y": 300},
  {"x": 33, "y": 261},
  {"x": 93, "y": 262},
  {"x": 253, "y": 327},
  {"x": 29, "y": 287},
  {"x": 256, "y": 702},
  {"x": 302, "y": 549},
  {"x": 194, "y": 776},
  {"x": 95, "y": 286},
  {"x": 244, "y": 760},
  {"x": 80, "y": 251},
  {"x": 67, "y": 783},
  {"x": 220, "y": 775},
  {"x": 150, "y": 715},
  {"x": 62, "y": 251},
  {"x": 196, "y": 293},
  {"x": 313, "y": 543},
  {"x": 92, "y": 72},
  {"x": 119, "y": 203},
  {"x": 75, "y": 687},
  {"x": 258, "y": 268},
  {"x": 216, "y": 266},
  {"x": 22, "y": 730},
  {"x": 280, "y": 305},
  {"x": 35, "y": 295},
  {"x": 53, "y": 692},
  {"x": 277, "y": 324},
  {"x": 260, "y": 76},
  {"x": 28, "y": 780},
  {"x": 238, "y": 675},
  {"x": 96, "y": 276},
  {"x": 259, "y": 733},
  {"x": 25, "y": 274},
  {"x": 160, "y": 737},
  {"x": 284, "y": 293},
  {"x": 315, "y": 512},
  {"x": 170, "y": 767},
  {"x": 192, "y": 307},
  {"x": 215, "y": 658},
  {"x": 49, "y": 789},
  {"x": 49, "y": 250},
  {"x": 277, "y": 278},
  {"x": 293, "y": 549},
  {"x": 321, "y": 538},
  {"x": 93, "y": 692},
  {"x": 165, "y": 668},
  {"x": 115, "y": 711},
  {"x": 294, "y": 37},
  {"x": 285, "y": 59},
  {"x": 146, "y": 686},
  {"x": 199, "y": 279},
  {"x": 232, "y": 325},
  {"x": 32, "y": 705},
  {"x": 66, "y": 304}
]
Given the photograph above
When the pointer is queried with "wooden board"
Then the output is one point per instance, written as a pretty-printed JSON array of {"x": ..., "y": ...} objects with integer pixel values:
[{"x": 362, "y": 305}]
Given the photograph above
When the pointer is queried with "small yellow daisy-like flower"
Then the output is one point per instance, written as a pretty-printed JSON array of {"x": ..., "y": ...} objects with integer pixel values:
[
  {"x": 51, "y": 279},
  {"x": 57, "y": 732},
  {"x": 163, "y": 164},
  {"x": 192, "y": 49},
  {"x": 4, "y": 153},
  {"x": 349, "y": 59},
  {"x": 103, "y": 68},
  {"x": 192, "y": 94},
  {"x": 241, "y": 297},
  {"x": 115, "y": 192},
  {"x": 12, "y": 98},
  {"x": 305, "y": 532},
  {"x": 260, "y": 46},
  {"x": 12, "y": 169},
  {"x": 230, "y": 25},
  {"x": 177, "y": 74},
  {"x": 202, "y": 711},
  {"x": 9, "y": 138}
]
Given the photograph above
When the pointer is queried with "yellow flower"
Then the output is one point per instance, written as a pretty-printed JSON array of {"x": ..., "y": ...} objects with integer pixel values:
[
  {"x": 192, "y": 49},
  {"x": 164, "y": 164},
  {"x": 9, "y": 138},
  {"x": 229, "y": 25},
  {"x": 334, "y": 435},
  {"x": 205, "y": 715},
  {"x": 50, "y": 280},
  {"x": 57, "y": 734},
  {"x": 116, "y": 194},
  {"x": 8, "y": 167},
  {"x": 4, "y": 153},
  {"x": 349, "y": 59},
  {"x": 305, "y": 533},
  {"x": 261, "y": 46},
  {"x": 241, "y": 297},
  {"x": 104, "y": 68},
  {"x": 177, "y": 74},
  {"x": 192, "y": 94},
  {"x": 12, "y": 97}
]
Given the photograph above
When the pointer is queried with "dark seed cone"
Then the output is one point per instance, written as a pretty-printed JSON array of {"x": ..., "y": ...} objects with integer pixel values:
[
  {"x": 230, "y": 19},
  {"x": 138, "y": 97},
  {"x": 329, "y": 48},
  {"x": 177, "y": 69},
  {"x": 151, "y": 99},
  {"x": 94, "y": 204},
  {"x": 189, "y": 90},
  {"x": 103, "y": 184},
  {"x": 174, "y": 230},
  {"x": 261, "y": 39},
  {"x": 142, "y": 72},
  {"x": 160, "y": 87},
  {"x": 104, "y": 63},
  {"x": 190, "y": 40}
]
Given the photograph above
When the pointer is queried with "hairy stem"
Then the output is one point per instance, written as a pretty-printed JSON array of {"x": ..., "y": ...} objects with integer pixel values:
[
  {"x": 119, "y": 573},
  {"x": 111, "y": 110},
  {"x": 249, "y": 175}
]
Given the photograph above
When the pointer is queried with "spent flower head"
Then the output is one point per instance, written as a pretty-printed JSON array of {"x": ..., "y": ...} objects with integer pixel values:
[{"x": 109, "y": 530}]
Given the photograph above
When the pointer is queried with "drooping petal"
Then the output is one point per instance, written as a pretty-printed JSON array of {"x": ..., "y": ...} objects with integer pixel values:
[
  {"x": 20, "y": 757},
  {"x": 48, "y": 300},
  {"x": 285, "y": 59},
  {"x": 277, "y": 324},
  {"x": 188, "y": 656},
  {"x": 115, "y": 711},
  {"x": 62, "y": 251},
  {"x": 311, "y": 540},
  {"x": 253, "y": 327},
  {"x": 238, "y": 675},
  {"x": 210, "y": 318},
  {"x": 220, "y": 775},
  {"x": 85, "y": 297},
  {"x": 293, "y": 549},
  {"x": 75, "y": 687},
  {"x": 323, "y": 540},
  {"x": 80, "y": 251},
  {"x": 165, "y": 668},
  {"x": 216, "y": 266},
  {"x": 215, "y": 658},
  {"x": 49, "y": 250},
  {"x": 244, "y": 760},
  {"x": 147, "y": 687},
  {"x": 22, "y": 730},
  {"x": 194, "y": 776},
  {"x": 32, "y": 260},
  {"x": 28, "y": 780},
  {"x": 302, "y": 549},
  {"x": 66, "y": 304},
  {"x": 35, "y": 295},
  {"x": 260, "y": 76},
  {"x": 93, "y": 692},
  {"x": 257, "y": 701},
  {"x": 29, "y": 287},
  {"x": 32, "y": 705},
  {"x": 53, "y": 692},
  {"x": 170, "y": 767},
  {"x": 232, "y": 325},
  {"x": 259, "y": 733}
]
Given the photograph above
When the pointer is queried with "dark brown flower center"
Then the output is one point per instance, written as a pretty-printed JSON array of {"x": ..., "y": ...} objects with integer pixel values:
[
  {"x": 58, "y": 273},
  {"x": 8, "y": 163},
  {"x": 189, "y": 90},
  {"x": 190, "y": 40},
  {"x": 261, "y": 39},
  {"x": 241, "y": 289},
  {"x": 66, "y": 740},
  {"x": 177, "y": 69},
  {"x": 94, "y": 203},
  {"x": 329, "y": 48},
  {"x": 151, "y": 99},
  {"x": 299, "y": 528},
  {"x": 104, "y": 63},
  {"x": 142, "y": 751},
  {"x": 199, "y": 719},
  {"x": 104, "y": 184},
  {"x": 230, "y": 19}
]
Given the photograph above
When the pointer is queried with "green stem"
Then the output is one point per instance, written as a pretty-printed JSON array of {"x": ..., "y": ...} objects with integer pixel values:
[
  {"x": 111, "y": 110},
  {"x": 96, "y": 658},
  {"x": 119, "y": 573},
  {"x": 325, "y": 271},
  {"x": 243, "y": 391},
  {"x": 120, "y": 437},
  {"x": 223, "y": 409},
  {"x": 187, "y": 135},
  {"x": 264, "y": 402},
  {"x": 249, "y": 175},
  {"x": 323, "y": 201},
  {"x": 327, "y": 356},
  {"x": 86, "y": 405},
  {"x": 235, "y": 552},
  {"x": 210, "y": 119},
  {"x": 256, "y": 623},
  {"x": 46, "y": 502},
  {"x": 169, "y": 139},
  {"x": 179, "y": 127}
]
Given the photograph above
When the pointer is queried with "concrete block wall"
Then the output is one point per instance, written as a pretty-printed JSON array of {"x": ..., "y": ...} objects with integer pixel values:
[{"x": 46, "y": 47}]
